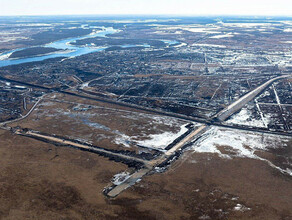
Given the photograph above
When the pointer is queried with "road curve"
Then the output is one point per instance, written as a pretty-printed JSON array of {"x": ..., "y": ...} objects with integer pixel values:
[{"x": 24, "y": 116}]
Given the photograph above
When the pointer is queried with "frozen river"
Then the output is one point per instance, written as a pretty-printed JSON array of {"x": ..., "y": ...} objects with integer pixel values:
[{"x": 68, "y": 50}]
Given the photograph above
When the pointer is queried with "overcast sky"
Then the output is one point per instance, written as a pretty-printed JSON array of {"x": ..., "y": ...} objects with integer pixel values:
[{"x": 174, "y": 7}]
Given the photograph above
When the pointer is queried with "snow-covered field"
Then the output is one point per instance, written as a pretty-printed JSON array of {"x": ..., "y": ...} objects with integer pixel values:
[
  {"x": 244, "y": 117},
  {"x": 239, "y": 144},
  {"x": 162, "y": 140},
  {"x": 222, "y": 36},
  {"x": 247, "y": 25},
  {"x": 208, "y": 45},
  {"x": 211, "y": 29},
  {"x": 288, "y": 30},
  {"x": 5, "y": 56},
  {"x": 153, "y": 141},
  {"x": 147, "y": 130}
]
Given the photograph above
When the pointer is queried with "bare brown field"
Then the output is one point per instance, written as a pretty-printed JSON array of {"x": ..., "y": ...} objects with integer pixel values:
[
  {"x": 97, "y": 123},
  {"x": 122, "y": 157},
  {"x": 40, "y": 180},
  {"x": 204, "y": 186}
]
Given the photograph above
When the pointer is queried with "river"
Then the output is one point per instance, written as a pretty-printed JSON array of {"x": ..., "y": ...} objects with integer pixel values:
[{"x": 68, "y": 50}]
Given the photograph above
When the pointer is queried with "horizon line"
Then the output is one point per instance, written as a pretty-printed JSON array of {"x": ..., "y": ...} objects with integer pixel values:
[{"x": 130, "y": 14}]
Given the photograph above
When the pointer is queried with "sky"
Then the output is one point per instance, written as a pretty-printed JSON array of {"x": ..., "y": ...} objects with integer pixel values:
[{"x": 146, "y": 7}]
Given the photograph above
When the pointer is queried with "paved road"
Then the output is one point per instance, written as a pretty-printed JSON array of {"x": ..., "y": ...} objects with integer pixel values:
[
  {"x": 111, "y": 101},
  {"x": 154, "y": 111},
  {"x": 24, "y": 116},
  {"x": 150, "y": 165},
  {"x": 238, "y": 104},
  {"x": 223, "y": 115}
]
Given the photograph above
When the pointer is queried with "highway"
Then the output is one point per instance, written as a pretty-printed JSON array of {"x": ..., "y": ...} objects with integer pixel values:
[
  {"x": 238, "y": 104},
  {"x": 223, "y": 115},
  {"x": 152, "y": 164},
  {"x": 110, "y": 101}
]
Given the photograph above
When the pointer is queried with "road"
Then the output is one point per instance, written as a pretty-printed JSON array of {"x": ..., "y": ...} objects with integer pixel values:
[
  {"x": 111, "y": 101},
  {"x": 188, "y": 138},
  {"x": 77, "y": 145},
  {"x": 129, "y": 182},
  {"x": 223, "y": 115},
  {"x": 238, "y": 104},
  {"x": 24, "y": 116},
  {"x": 169, "y": 114},
  {"x": 150, "y": 165}
]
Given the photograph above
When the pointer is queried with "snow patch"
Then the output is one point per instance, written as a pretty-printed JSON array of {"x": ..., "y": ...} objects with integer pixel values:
[
  {"x": 84, "y": 85},
  {"x": 287, "y": 30},
  {"x": 241, "y": 144},
  {"x": 5, "y": 56},
  {"x": 152, "y": 141},
  {"x": 162, "y": 140},
  {"x": 120, "y": 178},
  {"x": 181, "y": 45},
  {"x": 123, "y": 139},
  {"x": 241, "y": 208},
  {"x": 246, "y": 25},
  {"x": 244, "y": 117},
  {"x": 203, "y": 217},
  {"x": 222, "y": 36},
  {"x": 208, "y": 45}
]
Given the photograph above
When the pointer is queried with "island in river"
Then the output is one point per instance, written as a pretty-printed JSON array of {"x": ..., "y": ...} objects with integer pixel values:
[{"x": 33, "y": 51}]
